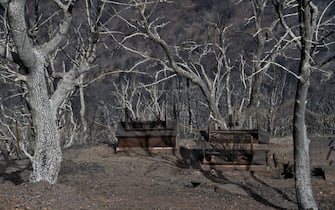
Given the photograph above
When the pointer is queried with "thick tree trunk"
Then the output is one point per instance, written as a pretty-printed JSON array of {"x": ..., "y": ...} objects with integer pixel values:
[
  {"x": 48, "y": 156},
  {"x": 216, "y": 113},
  {"x": 47, "y": 153}
]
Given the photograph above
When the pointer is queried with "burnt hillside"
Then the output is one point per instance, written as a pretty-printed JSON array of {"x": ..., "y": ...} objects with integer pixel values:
[{"x": 185, "y": 22}]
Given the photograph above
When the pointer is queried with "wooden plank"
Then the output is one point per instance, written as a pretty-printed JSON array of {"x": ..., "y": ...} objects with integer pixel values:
[
  {"x": 146, "y": 142},
  {"x": 141, "y": 149},
  {"x": 320, "y": 163},
  {"x": 147, "y": 133},
  {"x": 217, "y": 157},
  {"x": 239, "y": 159},
  {"x": 240, "y": 136},
  {"x": 242, "y": 167},
  {"x": 254, "y": 132},
  {"x": 231, "y": 138},
  {"x": 244, "y": 146},
  {"x": 145, "y": 129}
]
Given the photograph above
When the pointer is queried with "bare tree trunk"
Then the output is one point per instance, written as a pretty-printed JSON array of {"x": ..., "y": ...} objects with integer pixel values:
[
  {"x": 82, "y": 110},
  {"x": 262, "y": 61},
  {"x": 47, "y": 152},
  {"x": 301, "y": 151},
  {"x": 48, "y": 155},
  {"x": 304, "y": 191},
  {"x": 258, "y": 10},
  {"x": 190, "y": 117}
]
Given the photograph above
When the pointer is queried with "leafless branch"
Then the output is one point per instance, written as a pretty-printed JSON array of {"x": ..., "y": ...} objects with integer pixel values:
[
  {"x": 63, "y": 28},
  {"x": 158, "y": 81}
]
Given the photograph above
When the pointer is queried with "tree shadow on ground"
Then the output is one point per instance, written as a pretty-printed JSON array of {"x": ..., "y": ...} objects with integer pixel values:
[
  {"x": 220, "y": 178},
  {"x": 14, "y": 177},
  {"x": 15, "y": 171},
  {"x": 285, "y": 196},
  {"x": 193, "y": 157}
]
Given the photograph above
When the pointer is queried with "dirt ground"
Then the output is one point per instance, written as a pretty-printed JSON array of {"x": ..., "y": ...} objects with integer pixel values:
[{"x": 94, "y": 177}]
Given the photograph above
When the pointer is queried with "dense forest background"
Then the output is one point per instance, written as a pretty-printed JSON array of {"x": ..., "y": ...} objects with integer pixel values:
[{"x": 131, "y": 75}]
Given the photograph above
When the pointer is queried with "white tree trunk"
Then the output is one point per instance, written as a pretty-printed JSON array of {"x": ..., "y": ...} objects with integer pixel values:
[
  {"x": 82, "y": 110},
  {"x": 304, "y": 191},
  {"x": 47, "y": 159},
  {"x": 47, "y": 156},
  {"x": 301, "y": 151}
]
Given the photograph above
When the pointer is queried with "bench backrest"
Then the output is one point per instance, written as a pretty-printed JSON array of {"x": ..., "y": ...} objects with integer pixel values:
[{"x": 233, "y": 136}]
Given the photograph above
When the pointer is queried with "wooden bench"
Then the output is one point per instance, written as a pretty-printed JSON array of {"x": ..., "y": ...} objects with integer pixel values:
[
  {"x": 322, "y": 154},
  {"x": 234, "y": 147},
  {"x": 146, "y": 135}
]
